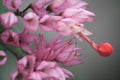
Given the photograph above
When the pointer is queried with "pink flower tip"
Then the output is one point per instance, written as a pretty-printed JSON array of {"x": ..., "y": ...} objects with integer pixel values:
[{"x": 105, "y": 49}]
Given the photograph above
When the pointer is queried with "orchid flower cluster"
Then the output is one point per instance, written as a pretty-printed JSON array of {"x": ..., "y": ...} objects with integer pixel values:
[{"x": 44, "y": 58}]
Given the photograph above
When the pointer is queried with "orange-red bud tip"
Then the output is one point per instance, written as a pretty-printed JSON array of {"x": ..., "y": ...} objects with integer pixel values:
[{"x": 105, "y": 49}]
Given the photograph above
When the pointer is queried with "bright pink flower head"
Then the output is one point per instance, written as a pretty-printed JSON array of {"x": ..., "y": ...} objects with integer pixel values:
[
  {"x": 9, "y": 37},
  {"x": 39, "y": 7},
  {"x": 3, "y": 58},
  {"x": 31, "y": 21},
  {"x": 12, "y": 4},
  {"x": 8, "y": 19}
]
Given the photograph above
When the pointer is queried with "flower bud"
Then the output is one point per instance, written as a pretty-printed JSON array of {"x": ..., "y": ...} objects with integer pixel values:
[
  {"x": 105, "y": 49},
  {"x": 31, "y": 21},
  {"x": 8, "y": 19}
]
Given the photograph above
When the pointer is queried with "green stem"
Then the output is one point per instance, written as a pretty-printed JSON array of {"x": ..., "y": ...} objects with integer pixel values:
[{"x": 16, "y": 54}]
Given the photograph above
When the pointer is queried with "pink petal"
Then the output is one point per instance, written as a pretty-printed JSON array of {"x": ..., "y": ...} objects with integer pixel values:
[
  {"x": 34, "y": 76},
  {"x": 27, "y": 48},
  {"x": 67, "y": 73},
  {"x": 3, "y": 58},
  {"x": 46, "y": 65},
  {"x": 14, "y": 75}
]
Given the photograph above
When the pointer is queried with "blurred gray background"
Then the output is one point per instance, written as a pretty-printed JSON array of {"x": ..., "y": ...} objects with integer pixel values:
[{"x": 105, "y": 28}]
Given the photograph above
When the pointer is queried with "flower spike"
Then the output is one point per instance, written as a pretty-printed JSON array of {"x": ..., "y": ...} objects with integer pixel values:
[{"x": 105, "y": 49}]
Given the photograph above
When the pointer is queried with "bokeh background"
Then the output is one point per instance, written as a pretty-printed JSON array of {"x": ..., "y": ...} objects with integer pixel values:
[{"x": 106, "y": 27}]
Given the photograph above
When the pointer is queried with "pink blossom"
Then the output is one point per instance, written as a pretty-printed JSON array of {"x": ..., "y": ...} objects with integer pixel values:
[
  {"x": 80, "y": 15},
  {"x": 64, "y": 26},
  {"x": 39, "y": 7},
  {"x": 68, "y": 26},
  {"x": 59, "y": 6},
  {"x": 12, "y": 4},
  {"x": 26, "y": 64},
  {"x": 29, "y": 69},
  {"x": 8, "y": 19},
  {"x": 62, "y": 51},
  {"x": 49, "y": 22},
  {"x": 66, "y": 52},
  {"x": 9, "y": 37},
  {"x": 31, "y": 21},
  {"x": 25, "y": 38},
  {"x": 3, "y": 58},
  {"x": 53, "y": 71}
]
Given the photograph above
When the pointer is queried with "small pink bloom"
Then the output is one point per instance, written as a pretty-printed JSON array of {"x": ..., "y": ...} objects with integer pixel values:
[
  {"x": 64, "y": 26},
  {"x": 49, "y": 22},
  {"x": 31, "y": 21},
  {"x": 80, "y": 15},
  {"x": 3, "y": 58},
  {"x": 59, "y": 6},
  {"x": 53, "y": 71},
  {"x": 12, "y": 4},
  {"x": 39, "y": 7},
  {"x": 30, "y": 68},
  {"x": 67, "y": 53},
  {"x": 68, "y": 26},
  {"x": 9, "y": 37},
  {"x": 62, "y": 51},
  {"x": 25, "y": 38},
  {"x": 26, "y": 64},
  {"x": 8, "y": 19}
]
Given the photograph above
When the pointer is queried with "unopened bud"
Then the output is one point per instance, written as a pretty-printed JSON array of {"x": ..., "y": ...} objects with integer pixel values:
[{"x": 105, "y": 49}]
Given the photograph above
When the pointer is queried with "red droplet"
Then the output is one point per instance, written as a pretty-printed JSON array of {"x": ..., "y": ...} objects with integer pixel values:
[{"x": 105, "y": 49}]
